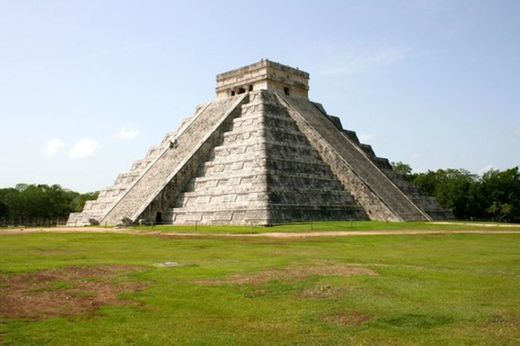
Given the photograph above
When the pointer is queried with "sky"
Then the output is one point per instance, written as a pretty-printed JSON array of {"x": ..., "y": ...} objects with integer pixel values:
[{"x": 86, "y": 87}]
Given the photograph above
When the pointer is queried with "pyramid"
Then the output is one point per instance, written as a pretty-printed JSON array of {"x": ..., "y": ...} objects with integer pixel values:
[{"x": 261, "y": 153}]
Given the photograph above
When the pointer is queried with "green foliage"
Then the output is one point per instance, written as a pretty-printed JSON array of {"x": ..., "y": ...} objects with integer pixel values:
[
  {"x": 495, "y": 195},
  {"x": 40, "y": 201},
  {"x": 3, "y": 209},
  {"x": 402, "y": 168},
  {"x": 502, "y": 190},
  {"x": 79, "y": 201}
]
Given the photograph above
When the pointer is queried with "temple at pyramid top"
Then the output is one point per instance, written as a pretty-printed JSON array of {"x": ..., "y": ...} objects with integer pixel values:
[
  {"x": 260, "y": 153},
  {"x": 263, "y": 75}
]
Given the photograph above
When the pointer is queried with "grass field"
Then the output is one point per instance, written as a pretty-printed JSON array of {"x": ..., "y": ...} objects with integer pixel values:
[
  {"x": 331, "y": 226},
  {"x": 111, "y": 289}
]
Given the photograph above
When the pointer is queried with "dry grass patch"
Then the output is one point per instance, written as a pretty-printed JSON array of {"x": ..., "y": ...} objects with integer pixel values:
[
  {"x": 64, "y": 292},
  {"x": 321, "y": 292},
  {"x": 289, "y": 274},
  {"x": 502, "y": 325},
  {"x": 348, "y": 319}
]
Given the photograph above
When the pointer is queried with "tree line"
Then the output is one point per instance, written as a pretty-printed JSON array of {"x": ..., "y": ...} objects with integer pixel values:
[
  {"x": 494, "y": 195},
  {"x": 38, "y": 204}
]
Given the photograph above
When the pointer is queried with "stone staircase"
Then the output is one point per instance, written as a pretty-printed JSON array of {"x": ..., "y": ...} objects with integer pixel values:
[
  {"x": 160, "y": 182},
  {"x": 426, "y": 203},
  {"x": 95, "y": 210},
  {"x": 263, "y": 172},
  {"x": 372, "y": 188},
  {"x": 152, "y": 168}
]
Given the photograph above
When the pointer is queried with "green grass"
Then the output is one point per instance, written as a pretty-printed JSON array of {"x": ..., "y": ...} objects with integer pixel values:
[
  {"x": 442, "y": 289},
  {"x": 327, "y": 226}
]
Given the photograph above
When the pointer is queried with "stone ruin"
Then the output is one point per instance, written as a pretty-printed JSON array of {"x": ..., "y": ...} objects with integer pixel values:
[{"x": 261, "y": 153}]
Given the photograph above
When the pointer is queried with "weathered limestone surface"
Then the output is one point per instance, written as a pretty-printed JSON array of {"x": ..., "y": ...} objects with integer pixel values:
[
  {"x": 261, "y": 153},
  {"x": 301, "y": 185},
  {"x": 265, "y": 171},
  {"x": 96, "y": 210},
  {"x": 425, "y": 203},
  {"x": 263, "y": 75},
  {"x": 378, "y": 195},
  {"x": 173, "y": 165}
]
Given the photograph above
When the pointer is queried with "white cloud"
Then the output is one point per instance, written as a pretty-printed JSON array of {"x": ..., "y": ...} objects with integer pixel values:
[
  {"x": 52, "y": 147},
  {"x": 366, "y": 137},
  {"x": 126, "y": 134},
  {"x": 487, "y": 168},
  {"x": 356, "y": 60},
  {"x": 83, "y": 148}
]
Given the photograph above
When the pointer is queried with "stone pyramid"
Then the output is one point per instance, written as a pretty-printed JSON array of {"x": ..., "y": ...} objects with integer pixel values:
[{"x": 262, "y": 154}]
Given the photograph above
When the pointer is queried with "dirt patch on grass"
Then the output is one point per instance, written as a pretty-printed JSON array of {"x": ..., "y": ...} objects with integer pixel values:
[
  {"x": 506, "y": 318},
  {"x": 321, "y": 292},
  {"x": 503, "y": 326},
  {"x": 288, "y": 274},
  {"x": 348, "y": 319},
  {"x": 416, "y": 320},
  {"x": 64, "y": 292}
]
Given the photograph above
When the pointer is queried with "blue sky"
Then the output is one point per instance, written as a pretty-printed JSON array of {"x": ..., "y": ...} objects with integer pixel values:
[{"x": 87, "y": 86}]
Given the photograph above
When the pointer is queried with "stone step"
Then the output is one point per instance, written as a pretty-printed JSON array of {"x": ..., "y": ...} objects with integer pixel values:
[
  {"x": 285, "y": 214},
  {"x": 383, "y": 163},
  {"x": 368, "y": 150},
  {"x": 352, "y": 136},
  {"x": 257, "y": 216},
  {"x": 172, "y": 167},
  {"x": 253, "y": 135},
  {"x": 225, "y": 164},
  {"x": 219, "y": 168},
  {"x": 140, "y": 165},
  {"x": 263, "y": 118},
  {"x": 331, "y": 192},
  {"x": 254, "y": 121},
  {"x": 300, "y": 148},
  {"x": 275, "y": 178},
  {"x": 154, "y": 151},
  {"x": 246, "y": 135},
  {"x": 172, "y": 134},
  {"x": 368, "y": 180},
  {"x": 229, "y": 202}
]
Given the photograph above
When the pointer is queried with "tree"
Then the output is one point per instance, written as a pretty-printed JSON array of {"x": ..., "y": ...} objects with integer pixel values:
[
  {"x": 25, "y": 201},
  {"x": 501, "y": 193},
  {"x": 402, "y": 168},
  {"x": 78, "y": 202},
  {"x": 4, "y": 211},
  {"x": 453, "y": 189}
]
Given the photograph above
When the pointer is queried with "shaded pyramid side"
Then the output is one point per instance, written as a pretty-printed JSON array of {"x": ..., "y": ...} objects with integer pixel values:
[
  {"x": 426, "y": 203},
  {"x": 301, "y": 185},
  {"x": 263, "y": 172},
  {"x": 379, "y": 196}
]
